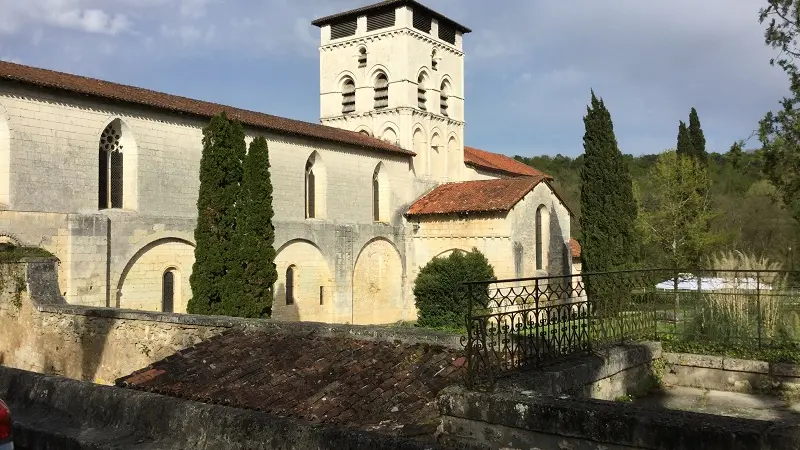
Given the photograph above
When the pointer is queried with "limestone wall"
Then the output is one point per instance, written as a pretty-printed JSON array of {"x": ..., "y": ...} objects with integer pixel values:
[{"x": 40, "y": 332}]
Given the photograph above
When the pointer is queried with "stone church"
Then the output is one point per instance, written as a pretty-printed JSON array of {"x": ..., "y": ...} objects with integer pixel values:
[{"x": 105, "y": 176}]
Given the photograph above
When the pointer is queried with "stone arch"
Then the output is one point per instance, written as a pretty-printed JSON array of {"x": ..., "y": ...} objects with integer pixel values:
[
  {"x": 455, "y": 158},
  {"x": 438, "y": 156},
  {"x": 420, "y": 147},
  {"x": 139, "y": 285},
  {"x": 118, "y": 161},
  {"x": 381, "y": 194},
  {"x": 390, "y": 132},
  {"x": 344, "y": 76},
  {"x": 447, "y": 252},
  {"x": 313, "y": 285},
  {"x": 9, "y": 240},
  {"x": 375, "y": 70},
  {"x": 5, "y": 158},
  {"x": 378, "y": 284},
  {"x": 315, "y": 188},
  {"x": 363, "y": 129}
]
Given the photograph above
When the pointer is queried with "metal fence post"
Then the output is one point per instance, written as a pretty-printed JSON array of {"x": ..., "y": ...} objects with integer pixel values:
[
  {"x": 470, "y": 340},
  {"x": 758, "y": 305}
]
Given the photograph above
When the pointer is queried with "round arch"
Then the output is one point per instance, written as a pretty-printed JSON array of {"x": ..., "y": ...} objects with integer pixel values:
[
  {"x": 136, "y": 286},
  {"x": 305, "y": 286},
  {"x": 419, "y": 144},
  {"x": 344, "y": 76},
  {"x": 449, "y": 251},
  {"x": 378, "y": 284},
  {"x": 315, "y": 187},
  {"x": 377, "y": 69},
  {"x": 389, "y": 132},
  {"x": 455, "y": 157},
  {"x": 438, "y": 155}
]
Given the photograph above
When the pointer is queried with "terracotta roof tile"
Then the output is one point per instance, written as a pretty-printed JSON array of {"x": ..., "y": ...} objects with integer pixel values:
[
  {"x": 130, "y": 94},
  {"x": 474, "y": 196},
  {"x": 575, "y": 246},
  {"x": 499, "y": 163},
  {"x": 374, "y": 385}
]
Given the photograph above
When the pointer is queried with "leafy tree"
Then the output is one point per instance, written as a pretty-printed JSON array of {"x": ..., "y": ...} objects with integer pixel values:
[
  {"x": 779, "y": 132},
  {"x": 608, "y": 208},
  {"x": 734, "y": 155},
  {"x": 253, "y": 272},
  {"x": 220, "y": 179},
  {"x": 674, "y": 218},
  {"x": 684, "y": 147},
  {"x": 697, "y": 137},
  {"x": 442, "y": 301}
]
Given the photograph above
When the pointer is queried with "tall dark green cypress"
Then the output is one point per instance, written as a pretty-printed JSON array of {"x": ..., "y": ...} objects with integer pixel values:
[
  {"x": 684, "y": 147},
  {"x": 608, "y": 208},
  {"x": 697, "y": 137},
  {"x": 254, "y": 274},
  {"x": 220, "y": 179}
]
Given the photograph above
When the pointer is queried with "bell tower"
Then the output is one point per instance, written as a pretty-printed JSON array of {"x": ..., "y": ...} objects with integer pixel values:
[{"x": 395, "y": 70}]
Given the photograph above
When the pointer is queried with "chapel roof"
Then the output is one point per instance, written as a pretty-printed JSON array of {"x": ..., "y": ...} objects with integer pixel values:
[
  {"x": 365, "y": 384},
  {"x": 386, "y": 4},
  {"x": 481, "y": 196},
  {"x": 495, "y": 162},
  {"x": 575, "y": 247},
  {"x": 173, "y": 103}
]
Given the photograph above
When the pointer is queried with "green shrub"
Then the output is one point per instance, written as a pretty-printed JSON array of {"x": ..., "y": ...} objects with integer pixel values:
[
  {"x": 440, "y": 297},
  {"x": 12, "y": 253}
]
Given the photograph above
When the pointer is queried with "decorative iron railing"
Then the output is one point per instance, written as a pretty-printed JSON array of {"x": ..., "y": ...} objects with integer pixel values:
[{"x": 526, "y": 323}]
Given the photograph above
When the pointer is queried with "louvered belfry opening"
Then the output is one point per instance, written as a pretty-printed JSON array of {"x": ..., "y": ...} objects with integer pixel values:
[
  {"x": 344, "y": 29},
  {"x": 110, "y": 170},
  {"x": 443, "y": 99},
  {"x": 382, "y": 19},
  {"x": 447, "y": 33},
  {"x": 381, "y": 91},
  {"x": 348, "y": 96},
  {"x": 421, "y": 93},
  {"x": 422, "y": 21},
  {"x": 362, "y": 57}
]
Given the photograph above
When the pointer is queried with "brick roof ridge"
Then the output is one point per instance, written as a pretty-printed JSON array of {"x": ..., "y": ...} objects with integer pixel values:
[
  {"x": 475, "y": 196},
  {"x": 79, "y": 84},
  {"x": 499, "y": 162}
]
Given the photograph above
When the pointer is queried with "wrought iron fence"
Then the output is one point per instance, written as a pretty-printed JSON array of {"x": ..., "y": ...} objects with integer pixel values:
[{"x": 526, "y": 323}]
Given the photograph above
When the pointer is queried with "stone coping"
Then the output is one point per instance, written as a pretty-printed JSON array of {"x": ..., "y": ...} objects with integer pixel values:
[
  {"x": 733, "y": 364},
  {"x": 606, "y": 422},
  {"x": 55, "y": 412},
  {"x": 43, "y": 288},
  {"x": 581, "y": 370}
]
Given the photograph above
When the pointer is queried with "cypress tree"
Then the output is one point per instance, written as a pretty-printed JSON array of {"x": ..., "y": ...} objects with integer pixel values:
[
  {"x": 697, "y": 138},
  {"x": 254, "y": 273},
  {"x": 608, "y": 208},
  {"x": 220, "y": 179},
  {"x": 684, "y": 147}
]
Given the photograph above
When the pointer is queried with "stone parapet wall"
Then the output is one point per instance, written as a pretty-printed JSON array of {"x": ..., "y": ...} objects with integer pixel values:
[
  {"x": 730, "y": 374},
  {"x": 40, "y": 332}
]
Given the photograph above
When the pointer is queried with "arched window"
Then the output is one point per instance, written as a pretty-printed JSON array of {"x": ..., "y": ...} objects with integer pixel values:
[
  {"x": 422, "y": 92},
  {"x": 364, "y": 132},
  {"x": 444, "y": 95},
  {"x": 381, "y": 91},
  {"x": 376, "y": 197},
  {"x": 311, "y": 190},
  {"x": 290, "y": 285},
  {"x": 362, "y": 57},
  {"x": 168, "y": 291},
  {"x": 434, "y": 60},
  {"x": 542, "y": 237},
  {"x": 111, "y": 170},
  {"x": 348, "y": 96}
]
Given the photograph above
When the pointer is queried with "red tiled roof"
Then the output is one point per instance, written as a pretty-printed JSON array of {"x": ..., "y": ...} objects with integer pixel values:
[
  {"x": 474, "y": 196},
  {"x": 499, "y": 163},
  {"x": 575, "y": 246},
  {"x": 130, "y": 94},
  {"x": 337, "y": 380}
]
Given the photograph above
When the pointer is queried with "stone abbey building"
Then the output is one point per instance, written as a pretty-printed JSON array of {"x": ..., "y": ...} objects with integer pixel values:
[{"x": 105, "y": 176}]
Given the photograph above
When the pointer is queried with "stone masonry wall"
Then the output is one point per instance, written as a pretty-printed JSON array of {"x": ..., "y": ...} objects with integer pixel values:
[{"x": 40, "y": 332}]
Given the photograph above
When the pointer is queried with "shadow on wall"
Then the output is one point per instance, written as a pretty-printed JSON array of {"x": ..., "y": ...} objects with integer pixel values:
[
  {"x": 558, "y": 248},
  {"x": 281, "y": 310}
]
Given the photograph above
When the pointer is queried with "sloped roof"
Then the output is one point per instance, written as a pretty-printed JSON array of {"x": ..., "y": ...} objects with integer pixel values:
[
  {"x": 475, "y": 196},
  {"x": 499, "y": 163},
  {"x": 173, "y": 103},
  {"x": 575, "y": 247},
  {"x": 384, "y": 4},
  {"x": 321, "y": 379}
]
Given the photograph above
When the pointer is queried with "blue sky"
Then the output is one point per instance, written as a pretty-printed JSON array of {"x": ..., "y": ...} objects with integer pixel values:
[{"x": 533, "y": 61}]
